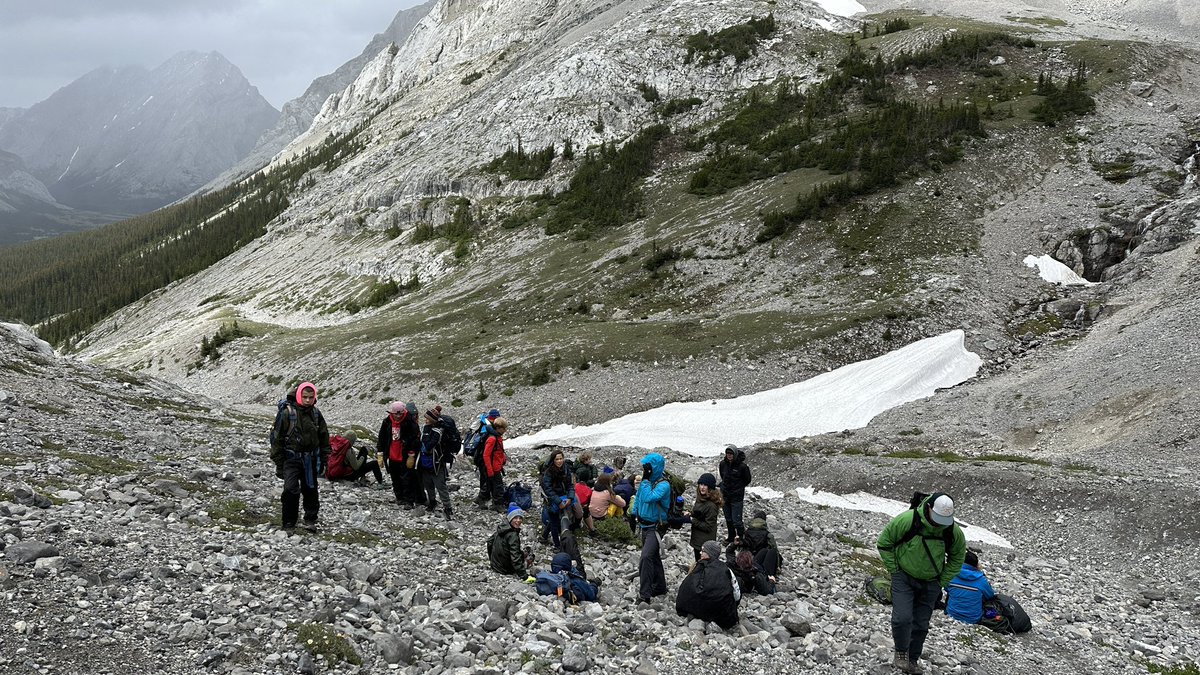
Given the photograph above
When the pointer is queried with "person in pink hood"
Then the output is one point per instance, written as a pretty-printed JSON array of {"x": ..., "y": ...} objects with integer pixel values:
[{"x": 300, "y": 450}]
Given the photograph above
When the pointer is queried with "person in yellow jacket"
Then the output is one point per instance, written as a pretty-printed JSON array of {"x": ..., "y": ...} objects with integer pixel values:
[{"x": 923, "y": 549}]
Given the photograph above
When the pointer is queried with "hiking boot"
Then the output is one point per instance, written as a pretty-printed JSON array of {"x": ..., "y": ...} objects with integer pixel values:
[
  {"x": 449, "y": 514},
  {"x": 914, "y": 666},
  {"x": 310, "y": 525},
  {"x": 408, "y": 506},
  {"x": 481, "y": 500},
  {"x": 900, "y": 662}
]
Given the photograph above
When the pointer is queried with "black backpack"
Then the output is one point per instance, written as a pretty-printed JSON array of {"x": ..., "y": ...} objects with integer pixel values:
[
  {"x": 914, "y": 504},
  {"x": 755, "y": 539},
  {"x": 289, "y": 404}
]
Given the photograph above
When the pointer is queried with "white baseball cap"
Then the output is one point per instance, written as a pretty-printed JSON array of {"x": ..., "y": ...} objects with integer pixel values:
[{"x": 942, "y": 511}]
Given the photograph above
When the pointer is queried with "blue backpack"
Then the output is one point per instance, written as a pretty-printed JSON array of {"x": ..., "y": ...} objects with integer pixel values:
[
  {"x": 569, "y": 587},
  {"x": 520, "y": 495}
]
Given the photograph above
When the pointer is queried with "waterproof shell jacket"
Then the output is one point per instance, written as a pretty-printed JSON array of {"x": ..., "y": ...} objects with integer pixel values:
[
  {"x": 410, "y": 438},
  {"x": 557, "y": 486},
  {"x": 966, "y": 593},
  {"x": 309, "y": 435},
  {"x": 924, "y": 556},
  {"x": 493, "y": 455},
  {"x": 710, "y": 593},
  {"x": 735, "y": 477},
  {"x": 653, "y": 500},
  {"x": 757, "y": 537},
  {"x": 504, "y": 551}
]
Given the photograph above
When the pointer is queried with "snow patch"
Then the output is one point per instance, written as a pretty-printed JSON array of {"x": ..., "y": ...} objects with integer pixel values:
[
  {"x": 765, "y": 492},
  {"x": 842, "y": 7},
  {"x": 865, "y": 501},
  {"x": 60, "y": 176},
  {"x": 846, "y": 398},
  {"x": 148, "y": 100},
  {"x": 1055, "y": 272}
]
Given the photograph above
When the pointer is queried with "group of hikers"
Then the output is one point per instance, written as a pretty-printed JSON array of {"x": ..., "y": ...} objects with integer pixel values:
[{"x": 923, "y": 548}]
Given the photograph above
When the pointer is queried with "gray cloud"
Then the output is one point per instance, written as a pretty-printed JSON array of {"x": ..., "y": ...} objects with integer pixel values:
[{"x": 280, "y": 45}]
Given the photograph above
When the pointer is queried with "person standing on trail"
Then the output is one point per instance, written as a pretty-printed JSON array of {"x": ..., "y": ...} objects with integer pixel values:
[
  {"x": 735, "y": 477},
  {"x": 924, "y": 550},
  {"x": 300, "y": 450},
  {"x": 399, "y": 440},
  {"x": 650, "y": 509}
]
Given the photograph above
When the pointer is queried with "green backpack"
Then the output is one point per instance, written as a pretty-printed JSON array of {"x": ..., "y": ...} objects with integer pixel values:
[{"x": 879, "y": 588}]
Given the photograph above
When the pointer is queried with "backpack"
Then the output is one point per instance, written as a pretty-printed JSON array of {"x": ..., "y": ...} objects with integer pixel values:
[
  {"x": 1015, "y": 618},
  {"x": 914, "y": 504},
  {"x": 338, "y": 466},
  {"x": 289, "y": 404},
  {"x": 879, "y": 588},
  {"x": 425, "y": 460},
  {"x": 472, "y": 445},
  {"x": 520, "y": 495},
  {"x": 755, "y": 539}
]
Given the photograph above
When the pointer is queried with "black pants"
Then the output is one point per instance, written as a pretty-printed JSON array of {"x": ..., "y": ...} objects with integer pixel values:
[
  {"x": 295, "y": 485},
  {"x": 912, "y": 608},
  {"x": 434, "y": 481},
  {"x": 733, "y": 519},
  {"x": 399, "y": 475},
  {"x": 768, "y": 559},
  {"x": 371, "y": 466},
  {"x": 496, "y": 490},
  {"x": 651, "y": 575}
]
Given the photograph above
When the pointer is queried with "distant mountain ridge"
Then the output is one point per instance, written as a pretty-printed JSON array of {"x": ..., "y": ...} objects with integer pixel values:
[{"x": 127, "y": 140}]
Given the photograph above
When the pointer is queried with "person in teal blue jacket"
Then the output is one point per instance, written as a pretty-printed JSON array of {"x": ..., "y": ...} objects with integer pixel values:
[
  {"x": 650, "y": 509},
  {"x": 967, "y": 591}
]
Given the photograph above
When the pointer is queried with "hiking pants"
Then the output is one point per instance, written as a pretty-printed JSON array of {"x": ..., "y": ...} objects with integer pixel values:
[
  {"x": 296, "y": 483},
  {"x": 912, "y": 607},
  {"x": 768, "y": 559},
  {"x": 485, "y": 485},
  {"x": 496, "y": 490},
  {"x": 733, "y": 519},
  {"x": 651, "y": 575},
  {"x": 434, "y": 480},
  {"x": 371, "y": 466}
]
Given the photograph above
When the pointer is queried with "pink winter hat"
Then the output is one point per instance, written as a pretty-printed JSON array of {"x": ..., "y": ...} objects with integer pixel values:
[{"x": 302, "y": 387}]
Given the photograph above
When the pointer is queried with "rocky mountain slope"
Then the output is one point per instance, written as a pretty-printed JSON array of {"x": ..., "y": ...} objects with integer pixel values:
[
  {"x": 297, "y": 115},
  {"x": 139, "y": 534},
  {"x": 128, "y": 140}
]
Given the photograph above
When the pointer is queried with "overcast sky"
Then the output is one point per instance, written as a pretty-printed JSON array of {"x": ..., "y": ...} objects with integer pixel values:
[{"x": 279, "y": 45}]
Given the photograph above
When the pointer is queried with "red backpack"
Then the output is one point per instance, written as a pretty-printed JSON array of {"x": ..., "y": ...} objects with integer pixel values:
[{"x": 338, "y": 466}]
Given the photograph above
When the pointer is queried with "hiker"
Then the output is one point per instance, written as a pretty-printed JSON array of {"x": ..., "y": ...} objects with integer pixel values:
[
  {"x": 481, "y": 429},
  {"x": 349, "y": 463},
  {"x": 968, "y": 591},
  {"x": 750, "y": 575},
  {"x": 399, "y": 441},
  {"x": 439, "y": 443},
  {"x": 560, "y": 501},
  {"x": 605, "y": 502},
  {"x": 650, "y": 509},
  {"x": 710, "y": 592},
  {"x": 704, "y": 512},
  {"x": 735, "y": 477},
  {"x": 494, "y": 460},
  {"x": 754, "y": 557},
  {"x": 585, "y": 471},
  {"x": 504, "y": 547},
  {"x": 622, "y": 482},
  {"x": 923, "y": 550},
  {"x": 300, "y": 450}
]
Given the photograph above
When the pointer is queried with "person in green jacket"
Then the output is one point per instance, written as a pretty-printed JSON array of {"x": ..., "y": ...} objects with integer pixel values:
[
  {"x": 704, "y": 512},
  {"x": 923, "y": 549},
  {"x": 504, "y": 546},
  {"x": 300, "y": 450}
]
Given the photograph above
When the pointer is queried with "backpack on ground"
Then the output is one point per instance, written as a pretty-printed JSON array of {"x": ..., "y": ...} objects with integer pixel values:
[
  {"x": 338, "y": 467},
  {"x": 520, "y": 495},
  {"x": 879, "y": 589},
  {"x": 1013, "y": 613}
]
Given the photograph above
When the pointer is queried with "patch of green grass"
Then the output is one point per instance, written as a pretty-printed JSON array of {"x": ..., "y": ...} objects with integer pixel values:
[
  {"x": 15, "y": 367},
  {"x": 850, "y": 541},
  {"x": 616, "y": 531},
  {"x": 323, "y": 640},
  {"x": 854, "y": 450},
  {"x": 1039, "y": 325},
  {"x": 48, "y": 409},
  {"x": 8, "y": 459},
  {"x": 113, "y": 434},
  {"x": 1003, "y": 457},
  {"x": 97, "y": 465},
  {"x": 427, "y": 534},
  {"x": 865, "y": 562},
  {"x": 915, "y": 431},
  {"x": 356, "y": 536},
  {"x": 925, "y": 454},
  {"x": 1177, "y": 669},
  {"x": 239, "y": 513}
]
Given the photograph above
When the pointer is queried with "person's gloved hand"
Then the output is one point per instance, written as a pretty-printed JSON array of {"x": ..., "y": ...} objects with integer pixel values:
[
  {"x": 647, "y": 470},
  {"x": 530, "y": 580}
]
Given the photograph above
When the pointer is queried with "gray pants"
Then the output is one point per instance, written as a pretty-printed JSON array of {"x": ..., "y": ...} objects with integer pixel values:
[
  {"x": 435, "y": 480},
  {"x": 652, "y": 576},
  {"x": 913, "y": 601}
]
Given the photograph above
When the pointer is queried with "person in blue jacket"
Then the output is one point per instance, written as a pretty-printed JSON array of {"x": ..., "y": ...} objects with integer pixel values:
[
  {"x": 968, "y": 590},
  {"x": 650, "y": 509}
]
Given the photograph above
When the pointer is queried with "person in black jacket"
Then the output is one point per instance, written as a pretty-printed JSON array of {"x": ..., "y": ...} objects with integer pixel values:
[
  {"x": 439, "y": 443},
  {"x": 399, "y": 439},
  {"x": 710, "y": 592},
  {"x": 735, "y": 476}
]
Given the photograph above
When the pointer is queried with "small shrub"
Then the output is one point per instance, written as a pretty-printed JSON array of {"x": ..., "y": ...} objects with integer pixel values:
[
  {"x": 472, "y": 77},
  {"x": 649, "y": 92},
  {"x": 615, "y": 530},
  {"x": 323, "y": 640}
]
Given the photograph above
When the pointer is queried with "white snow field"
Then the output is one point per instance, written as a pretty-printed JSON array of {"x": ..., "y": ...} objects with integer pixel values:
[{"x": 846, "y": 398}]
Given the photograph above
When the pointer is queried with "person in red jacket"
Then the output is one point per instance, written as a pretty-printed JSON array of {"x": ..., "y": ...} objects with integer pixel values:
[{"x": 493, "y": 463}]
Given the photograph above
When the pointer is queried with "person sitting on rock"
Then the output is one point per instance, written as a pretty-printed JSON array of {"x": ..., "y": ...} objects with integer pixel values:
[
  {"x": 710, "y": 592},
  {"x": 759, "y": 541},
  {"x": 704, "y": 512},
  {"x": 358, "y": 460},
  {"x": 560, "y": 505},
  {"x": 504, "y": 547},
  {"x": 968, "y": 591},
  {"x": 751, "y": 576},
  {"x": 585, "y": 471}
]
